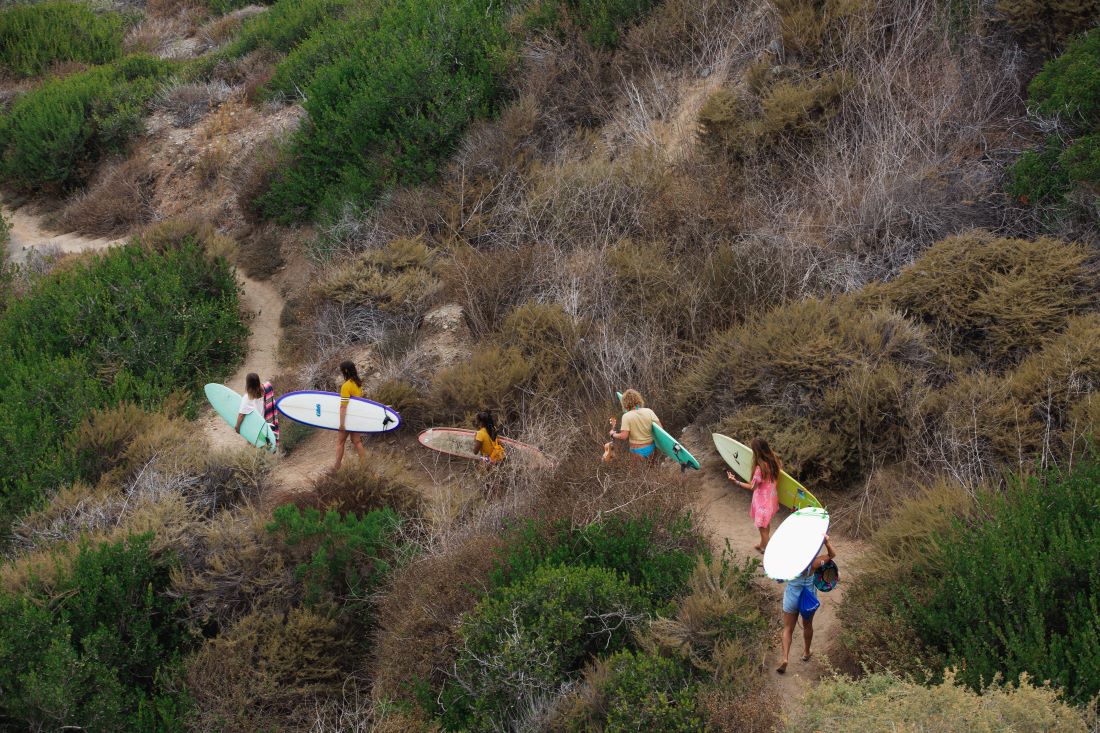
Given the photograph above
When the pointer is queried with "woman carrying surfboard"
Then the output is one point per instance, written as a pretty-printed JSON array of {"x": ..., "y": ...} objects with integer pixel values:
[
  {"x": 765, "y": 498},
  {"x": 251, "y": 401},
  {"x": 486, "y": 444},
  {"x": 792, "y": 596},
  {"x": 636, "y": 424},
  {"x": 352, "y": 387}
]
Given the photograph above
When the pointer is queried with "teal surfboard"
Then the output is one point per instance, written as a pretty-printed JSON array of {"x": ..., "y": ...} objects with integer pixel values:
[
  {"x": 668, "y": 445},
  {"x": 227, "y": 404}
]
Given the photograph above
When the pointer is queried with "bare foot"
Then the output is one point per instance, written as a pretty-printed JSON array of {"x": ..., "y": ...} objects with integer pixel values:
[
  {"x": 806, "y": 656},
  {"x": 758, "y": 548},
  {"x": 781, "y": 668}
]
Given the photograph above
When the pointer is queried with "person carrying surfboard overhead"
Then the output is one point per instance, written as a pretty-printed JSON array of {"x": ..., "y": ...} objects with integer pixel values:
[
  {"x": 251, "y": 401},
  {"x": 352, "y": 387},
  {"x": 792, "y": 596},
  {"x": 486, "y": 444},
  {"x": 765, "y": 497},
  {"x": 636, "y": 424}
]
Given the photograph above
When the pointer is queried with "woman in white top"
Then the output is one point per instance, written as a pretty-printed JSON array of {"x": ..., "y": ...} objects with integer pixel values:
[{"x": 252, "y": 400}]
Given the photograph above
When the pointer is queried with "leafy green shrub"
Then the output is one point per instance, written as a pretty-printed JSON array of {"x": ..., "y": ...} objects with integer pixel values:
[
  {"x": 534, "y": 635},
  {"x": 992, "y": 297},
  {"x": 1067, "y": 86},
  {"x": 286, "y": 23},
  {"x": 1081, "y": 161},
  {"x": 53, "y": 136},
  {"x": 96, "y": 649},
  {"x": 34, "y": 37},
  {"x": 268, "y": 671},
  {"x": 129, "y": 325},
  {"x": 320, "y": 49},
  {"x": 342, "y": 557},
  {"x": 658, "y": 559},
  {"x": 1016, "y": 595},
  {"x": 885, "y": 703},
  {"x": 1037, "y": 176},
  {"x": 639, "y": 691},
  {"x": 391, "y": 106},
  {"x": 1048, "y": 24}
]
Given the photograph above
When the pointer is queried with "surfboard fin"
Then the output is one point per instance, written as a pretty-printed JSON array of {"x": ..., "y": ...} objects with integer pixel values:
[{"x": 386, "y": 421}]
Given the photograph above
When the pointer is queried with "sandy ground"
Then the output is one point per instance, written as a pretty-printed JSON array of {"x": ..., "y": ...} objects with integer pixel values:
[{"x": 28, "y": 235}]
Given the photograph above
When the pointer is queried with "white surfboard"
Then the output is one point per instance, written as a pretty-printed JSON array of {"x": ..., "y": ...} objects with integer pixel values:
[
  {"x": 322, "y": 410},
  {"x": 796, "y": 543}
]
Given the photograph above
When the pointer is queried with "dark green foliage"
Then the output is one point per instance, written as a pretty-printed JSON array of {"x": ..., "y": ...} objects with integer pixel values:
[
  {"x": 530, "y": 636},
  {"x": 659, "y": 559},
  {"x": 96, "y": 649},
  {"x": 343, "y": 555},
  {"x": 1019, "y": 589},
  {"x": 131, "y": 325},
  {"x": 35, "y": 36},
  {"x": 1038, "y": 178},
  {"x": 54, "y": 136},
  {"x": 221, "y": 7},
  {"x": 331, "y": 39},
  {"x": 646, "y": 692},
  {"x": 390, "y": 107},
  {"x": 286, "y": 24},
  {"x": 1068, "y": 88}
]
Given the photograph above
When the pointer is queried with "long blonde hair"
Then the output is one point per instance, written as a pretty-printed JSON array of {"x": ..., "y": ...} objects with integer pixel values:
[{"x": 632, "y": 399}]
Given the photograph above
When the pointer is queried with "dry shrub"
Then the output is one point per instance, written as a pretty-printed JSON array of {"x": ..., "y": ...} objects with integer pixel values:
[
  {"x": 224, "y": 28},
  {"x": 172, "y": 232},
  {"x": 833, "y": 383},
  {"x": 809, "y": 26},
  {"x": 211, "y": 162},
  {"x": 993, "y": 297},
  {"x": 874, "y": 634},
  {"x": 489, "y": 379},
  {"x": 419, "y": 614},
  {"x": 122, "y": 198},
  {"x": 356, "y": 712},
  {"x": 1045, "y": 24},
  {"x": 262, "y": 252},
  {"x": 676, "y": 34},
  {"x": 406, "y": 399},
  {"x": 885, "y": 703},
  {"x": 268, "y": 671},
  {"x": 549, "y": 340},
  {"x": 363, "y": 488},
  {"x": 397, "y": 280},
  {"x": 254, "y": 177},
  {"x": 189, "y": 102},
  {"x": 237, "y": 569},
  {"x": 490, "y": 284},
  {"x": 230, "y": 117}
]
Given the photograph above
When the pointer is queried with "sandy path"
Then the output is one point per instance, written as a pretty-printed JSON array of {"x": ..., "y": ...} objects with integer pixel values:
[
  {"x": 28, "y": 235},
  {"x": 725, "y": 510}
]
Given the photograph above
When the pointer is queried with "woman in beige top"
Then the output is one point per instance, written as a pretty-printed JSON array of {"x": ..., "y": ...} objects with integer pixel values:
[{"x": 637, "y": 424}]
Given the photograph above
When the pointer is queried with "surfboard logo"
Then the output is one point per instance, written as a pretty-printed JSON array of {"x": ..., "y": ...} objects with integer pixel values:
[{"x": 317, "y": 409}]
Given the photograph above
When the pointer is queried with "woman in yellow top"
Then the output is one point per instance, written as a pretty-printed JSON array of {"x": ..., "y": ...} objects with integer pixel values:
[
  {"x": 352, "y": 387},
  {"x": 637, "y": 424},
  {"x": 486, "y": 444}
]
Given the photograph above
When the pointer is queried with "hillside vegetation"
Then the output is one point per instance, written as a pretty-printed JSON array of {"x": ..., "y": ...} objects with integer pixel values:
[{"x": 863, "y": 230}]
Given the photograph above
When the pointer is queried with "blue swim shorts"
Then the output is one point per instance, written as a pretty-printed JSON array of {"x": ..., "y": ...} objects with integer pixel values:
[
  {"x": 645, "y": 451},
  {"x": 794, "y": 590}
]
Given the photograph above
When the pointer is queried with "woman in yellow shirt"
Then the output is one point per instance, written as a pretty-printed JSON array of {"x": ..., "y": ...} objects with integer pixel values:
[
  {"x": 486, "y": 444},
  {"x": 352, "y": 387}
]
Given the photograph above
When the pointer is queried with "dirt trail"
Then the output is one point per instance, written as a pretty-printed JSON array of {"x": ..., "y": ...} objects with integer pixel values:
[
  {"x": 28, "y": 235},
  {"x": 725, "y": 510}
]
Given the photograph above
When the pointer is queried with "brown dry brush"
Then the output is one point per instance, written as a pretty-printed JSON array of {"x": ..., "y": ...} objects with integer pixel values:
[{"x": 122, "y": 198}]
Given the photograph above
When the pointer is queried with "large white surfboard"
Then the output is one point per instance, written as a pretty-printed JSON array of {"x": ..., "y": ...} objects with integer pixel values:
[
  {"x": 795, "y": 544},
  {"x": 322, "y": 410}
]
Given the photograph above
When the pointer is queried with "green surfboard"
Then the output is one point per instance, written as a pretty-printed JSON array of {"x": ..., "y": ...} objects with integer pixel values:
[
  {"x": 738, "y": 456},
  {"x": 254, "y": 429},
  {"x": 668, "y": 445}
]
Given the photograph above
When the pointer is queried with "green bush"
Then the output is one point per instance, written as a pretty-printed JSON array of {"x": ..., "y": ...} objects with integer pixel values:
[
  {"x": 530, "y": 637},
  {"x": 98, "y": 649},
  {"x": 342, "y": 556},
  {"x": 286, "y": 24},
  {"x": 885, "y": 703},
  {"x": 1068, "y": 86},
  {"x": 647, "y": 692},
  {"x": 329, "y": 40},
  {"x": 130, "y": 325},
  {"x": 658, "y": 559},
  {"x": 53, "y": 137},
  {"x": 1018, "y": 592},
  {"x": 391, "y": 107},
  {"x": 34, "y": 37},
  {"x": 601, "y": 22},
  {"x": 1081, "y": 161},
  {"x": 1037, "y": 178}
]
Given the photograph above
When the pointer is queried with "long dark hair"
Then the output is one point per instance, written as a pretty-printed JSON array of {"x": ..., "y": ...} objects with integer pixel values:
[
  {"x": 485, "y": 420},
  {"x": 765, "y": 457},
  {"x": 349, "y": 371},
  {"x": 252, "y": 386}
]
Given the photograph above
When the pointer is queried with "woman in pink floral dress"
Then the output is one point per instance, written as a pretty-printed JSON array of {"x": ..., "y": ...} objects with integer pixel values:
[{"x": 765, "y": 498}]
